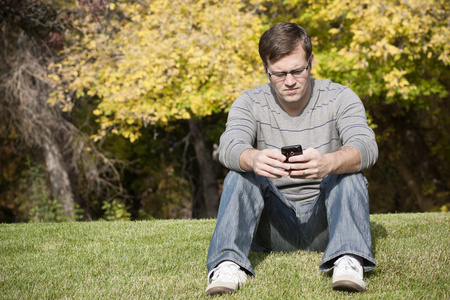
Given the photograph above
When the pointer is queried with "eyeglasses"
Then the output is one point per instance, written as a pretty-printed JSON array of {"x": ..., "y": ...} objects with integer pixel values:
[{"x": 281, "y": 76}]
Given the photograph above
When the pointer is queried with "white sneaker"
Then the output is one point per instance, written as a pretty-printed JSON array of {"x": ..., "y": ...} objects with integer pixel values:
[
  {"x": 227, "y": 277},
  {"x": 348, "y": 275}
]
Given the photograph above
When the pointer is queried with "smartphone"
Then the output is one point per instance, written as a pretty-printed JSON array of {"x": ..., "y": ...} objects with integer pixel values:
[{"x": 289, "y": 151}]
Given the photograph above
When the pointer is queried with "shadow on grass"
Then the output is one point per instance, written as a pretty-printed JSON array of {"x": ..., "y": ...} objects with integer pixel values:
[
  {"x": 257, "y": 257},
  {"x": 378, "y": 232}
]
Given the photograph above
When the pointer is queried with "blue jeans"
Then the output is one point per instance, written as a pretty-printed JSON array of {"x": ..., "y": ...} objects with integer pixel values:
[{"x": 254, "y": 214}]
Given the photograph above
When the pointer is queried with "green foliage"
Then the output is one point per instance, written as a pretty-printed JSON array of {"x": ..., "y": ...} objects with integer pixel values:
[
  {"x": 443, "y": 209},
  {"x": 157, "y": 179},
  {"x": 24, "y": 193},
  {"x": 115, "y": 211},
  {"x": 41, "y": 206},
  {"x": 10, "y": 171},
  {"x": 47, "y": 210}
]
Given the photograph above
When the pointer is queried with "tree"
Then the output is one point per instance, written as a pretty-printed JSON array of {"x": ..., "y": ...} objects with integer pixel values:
[
  {"x": 31, "y": 32},
  {"x": 26, "y": 27},
  {"x": 157, "y": 61}
]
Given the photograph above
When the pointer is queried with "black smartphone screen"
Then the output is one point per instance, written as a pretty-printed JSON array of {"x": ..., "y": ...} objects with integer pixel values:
[{"x": 289, "y": 151}]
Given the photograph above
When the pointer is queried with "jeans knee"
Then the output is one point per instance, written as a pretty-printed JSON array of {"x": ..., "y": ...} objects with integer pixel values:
[
  {"x": 244, "y": 185},
  {"x": 355, "y": 180},
  {"x": 234, "y": 176},
  {"x": 346, "y": 190},
  {"x": 236, "y": 179}
]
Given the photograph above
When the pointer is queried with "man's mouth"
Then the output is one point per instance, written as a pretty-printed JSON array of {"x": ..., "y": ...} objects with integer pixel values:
[{"x": 290, "y": 91}]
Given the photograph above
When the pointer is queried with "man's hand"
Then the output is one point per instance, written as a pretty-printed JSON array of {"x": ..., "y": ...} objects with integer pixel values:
[
  {"x": 267, "y": 163},
  {"x": 314, "y": 165}
]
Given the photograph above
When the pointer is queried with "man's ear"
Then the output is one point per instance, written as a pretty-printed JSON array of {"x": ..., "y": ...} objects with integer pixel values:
[{"x": 266, "y": 69}]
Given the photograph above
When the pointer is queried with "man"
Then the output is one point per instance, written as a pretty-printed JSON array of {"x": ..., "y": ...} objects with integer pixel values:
[{"x": 315, "y": 201}]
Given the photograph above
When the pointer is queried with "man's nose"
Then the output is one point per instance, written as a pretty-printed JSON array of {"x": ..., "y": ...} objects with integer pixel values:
[{"x": 289, "y": 80}]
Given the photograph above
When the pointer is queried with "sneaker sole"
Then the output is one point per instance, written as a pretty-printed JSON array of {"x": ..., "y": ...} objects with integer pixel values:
[
  {"x": 219, "y": 287},
  {"x": 347, "y": 286},
  {"x": 218, "y": 290}
]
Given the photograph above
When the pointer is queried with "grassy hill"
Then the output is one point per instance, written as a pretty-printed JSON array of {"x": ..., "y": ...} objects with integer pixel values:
[{"x": 166, "y": 260}]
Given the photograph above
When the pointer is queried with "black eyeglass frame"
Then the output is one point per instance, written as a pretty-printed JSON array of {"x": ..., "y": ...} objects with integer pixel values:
[{"x": 297, "y": 73}]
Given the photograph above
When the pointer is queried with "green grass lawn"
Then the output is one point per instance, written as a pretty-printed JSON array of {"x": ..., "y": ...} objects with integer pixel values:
[{"x": 166, "y": 260}]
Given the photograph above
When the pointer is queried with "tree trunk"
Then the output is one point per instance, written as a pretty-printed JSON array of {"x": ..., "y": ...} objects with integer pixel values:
[
  {"x": 208, "y": 170},
  {"x": 59, "y": 178}
]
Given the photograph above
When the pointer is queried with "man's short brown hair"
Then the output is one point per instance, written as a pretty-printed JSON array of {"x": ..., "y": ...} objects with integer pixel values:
[{"x": 282, "y": 39}]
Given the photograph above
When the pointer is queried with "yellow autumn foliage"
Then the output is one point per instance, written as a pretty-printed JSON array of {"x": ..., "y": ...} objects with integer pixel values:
[
  {"x": 167, "y": 60},
  {"x": 159, "y": 60},
  {"x": 398, "y": 39},
  {"x": 388, "y": 51}
]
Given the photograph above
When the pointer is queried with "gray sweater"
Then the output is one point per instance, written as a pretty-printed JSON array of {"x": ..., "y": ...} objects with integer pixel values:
[{"x": 333, "y": 117}]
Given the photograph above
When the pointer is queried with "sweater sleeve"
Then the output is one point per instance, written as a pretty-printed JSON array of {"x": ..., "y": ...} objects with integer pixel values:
[
  {"x": 240, "y": 133},
  {"x": 354, "y": 130}
]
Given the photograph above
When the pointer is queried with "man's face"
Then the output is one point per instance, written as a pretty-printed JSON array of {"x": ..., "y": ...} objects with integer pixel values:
[{"x": 292, "y": 91}]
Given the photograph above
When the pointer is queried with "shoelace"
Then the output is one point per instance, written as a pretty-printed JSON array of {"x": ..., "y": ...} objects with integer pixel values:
[{"x": 228, "y": 272}]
